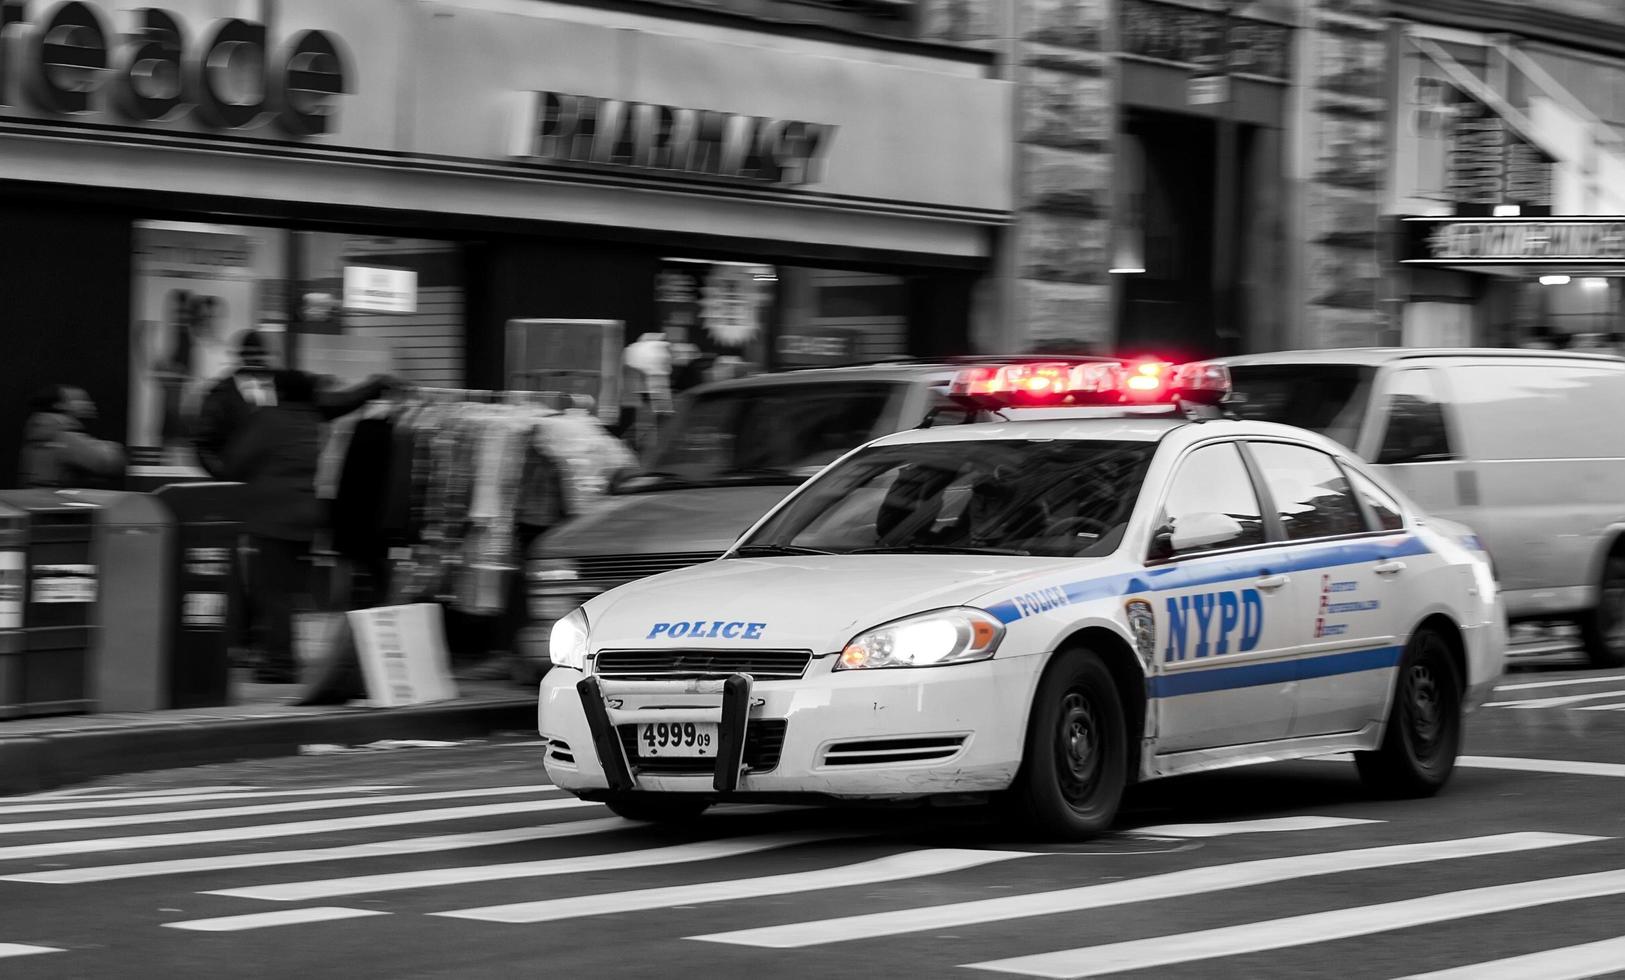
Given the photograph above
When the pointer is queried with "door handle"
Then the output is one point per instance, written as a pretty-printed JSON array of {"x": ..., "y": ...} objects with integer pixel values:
[
  {"x": 1393, "y": 567},
  {"x": 1269, "y": 583}
]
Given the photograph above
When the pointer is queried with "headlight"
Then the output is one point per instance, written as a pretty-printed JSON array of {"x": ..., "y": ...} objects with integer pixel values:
[
  {"x": 947, "y": 636},
  {"x": 567, "y": 644},
  {"x": 555, "y": 588}
]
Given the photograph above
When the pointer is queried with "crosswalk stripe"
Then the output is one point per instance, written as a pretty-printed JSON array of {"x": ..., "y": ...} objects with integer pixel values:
[
  {"x": 99, "y": 804},
  {"x": 1616, "y": 706},
  {"x": 711, "y": 850},
  {"x": 1570, "y": 682},
  {"x": 1566, "y": 767},
  {"x": 372, "y": 849},
  {"x": 1556, "y": 702},
  {"x": 1568, "y": 963},
  {"x": 910, "y": 864},
  {"x": 293, "y": 829},
  {"x": 1303, "y": 930},
  {"x": 1271, "y": 825},
  {"x": 1174, "y": 884},
  {"x": 24, "y": 949},
  {"x": 221, "y": 813},
  {"x": 262, "y": 920}
]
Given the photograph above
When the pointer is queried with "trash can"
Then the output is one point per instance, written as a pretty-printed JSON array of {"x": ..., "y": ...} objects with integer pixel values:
[
  {"x": 50, "y": 675},
  {"x": 135, "y": 535},
  {"x": 204, "y": 590}
]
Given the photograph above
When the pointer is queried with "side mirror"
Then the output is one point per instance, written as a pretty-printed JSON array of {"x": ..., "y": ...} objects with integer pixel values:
[
  {"x": 621, "y": 477},
  {"x": 1204, "y": 529}
]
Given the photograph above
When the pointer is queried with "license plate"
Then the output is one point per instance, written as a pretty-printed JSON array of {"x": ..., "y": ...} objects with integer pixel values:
[{"x": 677, "y": 740}]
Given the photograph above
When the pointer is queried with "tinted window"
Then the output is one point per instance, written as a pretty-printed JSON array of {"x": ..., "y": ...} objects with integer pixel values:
[
  {"x": 1052, "y": 498},
  {"x": 1416, "y": 431},
  {"x": 1384, "y": 510},
  {"x": 1213, "y": 480},
  {"x": 1330, "y": 399},
  {"x": 1541, "y": 411},
  {"x": 1312, "y": 498}
]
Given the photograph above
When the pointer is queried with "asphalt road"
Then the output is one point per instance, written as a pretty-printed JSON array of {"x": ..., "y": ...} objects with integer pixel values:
[{"x": 458, "y": 861}]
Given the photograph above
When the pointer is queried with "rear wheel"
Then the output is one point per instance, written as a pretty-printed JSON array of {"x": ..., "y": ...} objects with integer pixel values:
[
  {"x": 1418, "y": 750},
  {"x": 658, "y": 807},
  {"x": 1603, "y": 629},
  {"x": 1076, "y": 763}
]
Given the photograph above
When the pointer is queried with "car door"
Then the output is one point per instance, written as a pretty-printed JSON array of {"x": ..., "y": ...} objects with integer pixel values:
[
  {"x": 1352, "y": 555},
  {"x": 1225, "y": 611}
]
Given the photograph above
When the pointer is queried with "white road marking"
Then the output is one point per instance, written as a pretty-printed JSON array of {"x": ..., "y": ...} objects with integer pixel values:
[
  {"x": 1616, "y": 706},
  {"x": 24, "y": 949},
  {"x": 710, "y": 850},
  {"x": 281, "y": 917},
  {"x": 223, "y": 813},
  {"x": 1270, "y": 825},
  {"x": 1568, "y": 963},
  {"x": 1556, "y": 702},
  {"x": 384, "y": 848},
  {"x": 1564, "y": 767},
  {"x": 1174, "y": 884},
  {"x": 293, "y": 829},
  {"x": 172, "y": 800},
  {"x": 1303, "y": 930},
  {"x": 910, "y": 864},
  {"x": 1571, "y": 682}
]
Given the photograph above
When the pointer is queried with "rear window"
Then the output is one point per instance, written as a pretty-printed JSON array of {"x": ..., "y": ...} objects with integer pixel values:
[{"x": 1330, "y": 399}]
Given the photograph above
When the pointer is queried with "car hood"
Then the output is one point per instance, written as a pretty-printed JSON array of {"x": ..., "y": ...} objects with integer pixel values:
[
  {"x": 698, "y": 519},
  {"x": 815, "y": 602}
]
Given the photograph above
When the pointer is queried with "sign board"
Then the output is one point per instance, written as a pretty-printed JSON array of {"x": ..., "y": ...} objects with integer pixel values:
[
  {"x": 1204, "y": 38},
  {"x": 1207, "y": 89},
  {"x": 403, "y": 654},
  {"x": 11, "y": 590},
  {"x": 63, "y": 584},
  {"x": 818, "y": 347},
  {"x": 577, "y": 357},
  {"x": 1568, "y": 241},
  {"x": 372, "y": 289},
  {"x": 1488, "y": 163}
]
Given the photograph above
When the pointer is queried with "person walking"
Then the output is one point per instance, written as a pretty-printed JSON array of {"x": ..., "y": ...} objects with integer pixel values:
[
  {"x": 275, "y": 457},
  {"x": 58, "y": 452}
]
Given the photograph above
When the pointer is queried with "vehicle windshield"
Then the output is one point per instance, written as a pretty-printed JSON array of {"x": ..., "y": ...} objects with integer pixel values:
[
  {"x": 761, "y": 434},
  {"x": 1056, "y": 498},
  {"x": 1330, "y": 399}
]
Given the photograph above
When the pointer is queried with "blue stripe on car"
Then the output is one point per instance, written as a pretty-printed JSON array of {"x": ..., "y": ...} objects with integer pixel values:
[{"x": 1277, "y": 672}]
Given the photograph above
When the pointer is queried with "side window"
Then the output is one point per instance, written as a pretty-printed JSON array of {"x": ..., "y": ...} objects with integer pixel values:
[
  {"x": 1311, "y": 495},
  {"x": 1416, "y": 430},
  {"x": 1384, "y": 510},
  {"x": 1211, "y": 504}
]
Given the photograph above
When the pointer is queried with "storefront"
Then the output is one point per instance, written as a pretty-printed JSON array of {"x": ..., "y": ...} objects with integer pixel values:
[{"x": 382, "y": 185}]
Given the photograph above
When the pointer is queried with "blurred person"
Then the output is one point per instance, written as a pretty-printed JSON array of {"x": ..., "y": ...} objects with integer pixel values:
[
  {"x": 229, "y": 403},
  {"x": 58, "y": 451}
]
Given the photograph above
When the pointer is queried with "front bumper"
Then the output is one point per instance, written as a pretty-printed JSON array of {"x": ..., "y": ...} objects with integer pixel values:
[{"x": 883, "y": 734}]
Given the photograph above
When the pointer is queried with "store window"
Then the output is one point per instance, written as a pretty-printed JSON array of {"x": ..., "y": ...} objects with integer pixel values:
[{"x": 340, "y": 306}]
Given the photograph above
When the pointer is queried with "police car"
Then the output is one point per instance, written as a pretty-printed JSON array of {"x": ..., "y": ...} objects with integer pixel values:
[{"x": 1038, "y": 611}]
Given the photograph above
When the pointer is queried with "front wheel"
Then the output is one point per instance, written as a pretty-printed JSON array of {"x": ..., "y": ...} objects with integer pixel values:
[
  {"x": 1602, "y": 629},
  {"x": 1418, "y": 750},
  {"x": 658, "y": 807},
  {"x": 1076, "y": 763}
]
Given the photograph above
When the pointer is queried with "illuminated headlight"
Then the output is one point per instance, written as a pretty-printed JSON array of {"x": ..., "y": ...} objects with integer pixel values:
[
  {"x": 567, "y": 644},
  {"x": 947, "y": 636}
]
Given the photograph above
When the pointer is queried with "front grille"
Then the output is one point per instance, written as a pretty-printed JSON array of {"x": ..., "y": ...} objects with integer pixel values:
[
  {"x": 889, "y": 751},
  {"x": 608, "y": 571},
  {"x": 661, "y": 664},
  {"x": 764, "y": 740}
]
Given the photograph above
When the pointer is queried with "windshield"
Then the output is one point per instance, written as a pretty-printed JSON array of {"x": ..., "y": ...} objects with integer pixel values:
[
  {"x": 1050, "y": 498},
  {"x": 1329, "y": 399},
  {"x": 783, "y": 433}
]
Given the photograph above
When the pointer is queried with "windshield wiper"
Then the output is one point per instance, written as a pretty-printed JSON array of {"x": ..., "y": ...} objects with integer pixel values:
[
  {"x": 937, "y": 549},
  {"x": 779, "y": 549}
]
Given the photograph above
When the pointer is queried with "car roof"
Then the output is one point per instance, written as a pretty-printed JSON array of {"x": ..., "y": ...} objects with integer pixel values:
[
  {"x": 1377, "y": 356},
  {"x": 924, "y": 370},
  {"x": 1112, "y": 428}
]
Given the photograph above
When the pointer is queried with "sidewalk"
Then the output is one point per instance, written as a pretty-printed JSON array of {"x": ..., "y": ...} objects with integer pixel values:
[{"x": 45, "y": 753}]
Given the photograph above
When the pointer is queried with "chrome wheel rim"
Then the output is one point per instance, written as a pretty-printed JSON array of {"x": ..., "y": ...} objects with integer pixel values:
[{"x": 1078, "y": 760}]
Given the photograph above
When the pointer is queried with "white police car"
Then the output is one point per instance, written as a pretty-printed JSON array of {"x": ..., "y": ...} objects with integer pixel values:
[{"x": 1040, "y": 611}]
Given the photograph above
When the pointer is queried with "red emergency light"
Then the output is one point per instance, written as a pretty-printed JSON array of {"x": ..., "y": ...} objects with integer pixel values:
[{"x": 1042, "y": 384}]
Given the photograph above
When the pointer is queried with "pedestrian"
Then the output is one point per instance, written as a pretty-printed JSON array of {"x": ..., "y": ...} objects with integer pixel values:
[
  {"x": 275, "y": 456},
  {"x": 231, "y": 400},
  {"x": 58, "y": 451}
]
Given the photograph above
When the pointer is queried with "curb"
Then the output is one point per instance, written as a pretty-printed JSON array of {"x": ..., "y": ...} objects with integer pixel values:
[{"x": 34, "y": 763}]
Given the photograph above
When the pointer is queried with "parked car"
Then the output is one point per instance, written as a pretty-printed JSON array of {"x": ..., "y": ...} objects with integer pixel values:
[{"x": 1525, "y": 447}]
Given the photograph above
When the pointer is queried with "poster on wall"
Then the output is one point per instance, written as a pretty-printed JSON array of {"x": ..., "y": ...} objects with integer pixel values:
[
  {"x": 1488, "y": 163},
  {"x": 194, "y": 300},
  {"x": 714, "y": 312}
]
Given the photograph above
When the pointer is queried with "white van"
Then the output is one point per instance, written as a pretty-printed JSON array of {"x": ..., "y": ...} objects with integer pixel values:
[{"x": 1525, "y": 447}]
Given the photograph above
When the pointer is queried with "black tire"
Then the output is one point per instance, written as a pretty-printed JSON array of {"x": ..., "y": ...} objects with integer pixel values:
[
  {"x": 658, "y": 807},
  {"x": 1076, "y": 761},
  {"x": 1602, "y": 630},
  {"x": 1418, "y": 751}
]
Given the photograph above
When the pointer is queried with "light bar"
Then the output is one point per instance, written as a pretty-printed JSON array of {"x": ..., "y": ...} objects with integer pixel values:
[{"x": 1145, "y": 381}]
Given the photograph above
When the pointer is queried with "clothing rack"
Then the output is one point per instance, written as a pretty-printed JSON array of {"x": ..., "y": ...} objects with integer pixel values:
[{"x": 552, "y": 399}]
